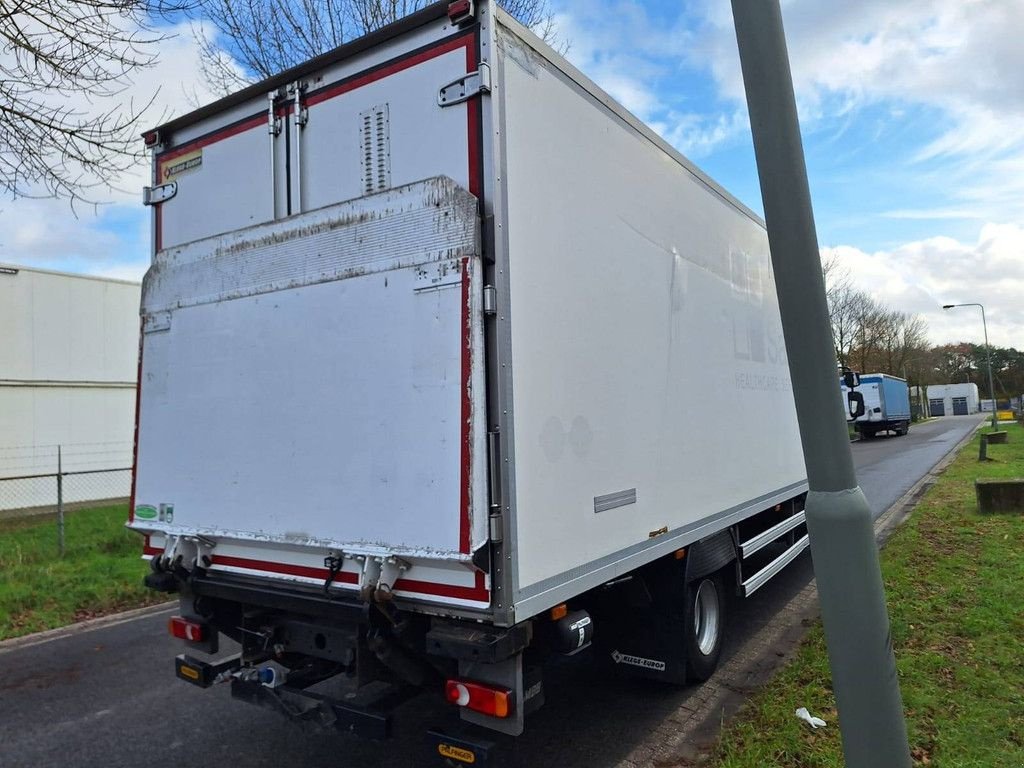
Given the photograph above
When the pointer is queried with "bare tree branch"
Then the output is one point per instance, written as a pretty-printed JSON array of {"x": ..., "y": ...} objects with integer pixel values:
[
  {"x": 867, "y": 335},
  {"x": 58, "y": 60},
  {"x": 256, "y": 39}
]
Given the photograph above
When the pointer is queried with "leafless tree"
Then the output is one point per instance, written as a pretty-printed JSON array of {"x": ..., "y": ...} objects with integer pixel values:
[
  {"x": 872, "y": 320},
  {"x": 59, "y": 60},
  {"x": 867, "y": 335},
  {"x": 903, "y": 340},
  {"x": 846, "y": 308},
  {"x": 255, "y": 39}
]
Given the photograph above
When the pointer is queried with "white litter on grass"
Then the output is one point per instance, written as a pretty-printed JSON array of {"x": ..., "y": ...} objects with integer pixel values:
[{"x": 807, "y": 717}]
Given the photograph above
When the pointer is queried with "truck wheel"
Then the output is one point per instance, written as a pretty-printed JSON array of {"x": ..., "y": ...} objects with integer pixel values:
[{"x": 704, "y": 621}]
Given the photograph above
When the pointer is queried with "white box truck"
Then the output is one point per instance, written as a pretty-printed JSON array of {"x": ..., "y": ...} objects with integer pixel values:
[
  {"x": 886, "y": 404},
  {"x": 448, "y": 364}
]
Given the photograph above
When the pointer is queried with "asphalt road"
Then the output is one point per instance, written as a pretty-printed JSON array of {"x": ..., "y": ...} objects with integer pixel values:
[{"x": 108, "y": 697}]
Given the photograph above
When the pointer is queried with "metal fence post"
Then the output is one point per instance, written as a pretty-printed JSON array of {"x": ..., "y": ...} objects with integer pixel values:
[{"x": 60, "y": 503}]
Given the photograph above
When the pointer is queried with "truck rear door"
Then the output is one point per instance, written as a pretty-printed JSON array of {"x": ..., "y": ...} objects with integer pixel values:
[{"x": 311, "y": 378}]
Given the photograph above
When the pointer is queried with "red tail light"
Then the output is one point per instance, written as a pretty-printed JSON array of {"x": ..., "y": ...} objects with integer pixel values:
[
  {"x": 187, "y": 629},
  {"x": 487, "y": 699}
]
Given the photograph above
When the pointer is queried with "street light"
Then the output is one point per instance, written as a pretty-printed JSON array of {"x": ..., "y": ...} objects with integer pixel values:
[{"x": 988, "y": 349}]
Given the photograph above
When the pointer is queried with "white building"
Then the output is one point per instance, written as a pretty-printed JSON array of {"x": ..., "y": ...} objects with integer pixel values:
[
  {"x": 68, "y": 367},
  {"x": 952, "y": 399}
]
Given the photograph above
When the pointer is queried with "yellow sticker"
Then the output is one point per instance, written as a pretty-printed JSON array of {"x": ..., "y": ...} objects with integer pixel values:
[
  {"x": 456, "y": 753},
  {"x": 189, "y": 672},
  {"x": 172, "y": 169}
]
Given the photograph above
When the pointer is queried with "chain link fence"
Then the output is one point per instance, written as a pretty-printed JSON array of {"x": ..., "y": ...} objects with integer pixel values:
[{"x": 40, "y": 480}]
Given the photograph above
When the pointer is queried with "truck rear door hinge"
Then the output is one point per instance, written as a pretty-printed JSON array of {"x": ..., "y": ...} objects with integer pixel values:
[
  {"x": 160, "y": 193},
  {"x": 273, "y": 121},
  {"x": 299, "y": 111},
  {"x": 490, "y": 300},
  {"x": 494, "y": 528},
  {"x": 466, "y": 87}
]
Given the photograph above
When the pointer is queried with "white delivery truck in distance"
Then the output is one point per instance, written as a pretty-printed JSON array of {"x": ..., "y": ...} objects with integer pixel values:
[
  {"x": 450, "y": 364},
  {"x": 886, "y": 404}
]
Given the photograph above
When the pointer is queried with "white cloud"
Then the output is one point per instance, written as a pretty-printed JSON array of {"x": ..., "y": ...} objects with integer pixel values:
[
  {"x": 933, "y": 213},
  {"x": 131, "y": 271},
  {"x": 923, "y": 275},
  {"x": 615, "y": 56},
  {"x": 110, "y": 239},
  {"x": 960, "y": 59}
]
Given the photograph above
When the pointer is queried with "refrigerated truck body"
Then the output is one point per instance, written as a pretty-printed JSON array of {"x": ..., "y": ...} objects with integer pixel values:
[
  {"x": 886, "y": 405},
  {"x": 448, "y": 362}
]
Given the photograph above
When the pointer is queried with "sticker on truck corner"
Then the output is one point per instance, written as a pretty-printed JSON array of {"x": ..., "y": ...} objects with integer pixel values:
[
  {"x": 638, "y": 661},
  {"x": 145, "y": 512},
  {"x": 182, "y": 164}
]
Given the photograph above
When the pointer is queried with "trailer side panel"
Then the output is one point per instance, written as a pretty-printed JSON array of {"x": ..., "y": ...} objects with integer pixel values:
[{"x": 652, "y": 402}]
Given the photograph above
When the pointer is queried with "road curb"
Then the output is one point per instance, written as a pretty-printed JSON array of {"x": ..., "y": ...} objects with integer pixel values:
[
  {"x": 88, "y": 625},
  {"x": 684, "y": 738}
]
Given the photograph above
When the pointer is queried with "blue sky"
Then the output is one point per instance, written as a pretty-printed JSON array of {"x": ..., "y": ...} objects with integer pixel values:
[{"x": 913, "y": 122}]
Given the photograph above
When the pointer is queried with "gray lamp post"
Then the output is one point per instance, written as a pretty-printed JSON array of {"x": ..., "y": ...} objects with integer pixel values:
[
  {"x": 988, "y": 349},
  {"x": 839, "y": 520}
]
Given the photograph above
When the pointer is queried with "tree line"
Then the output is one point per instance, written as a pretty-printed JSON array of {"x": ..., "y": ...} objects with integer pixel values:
[{"x": 871, "y": 337}]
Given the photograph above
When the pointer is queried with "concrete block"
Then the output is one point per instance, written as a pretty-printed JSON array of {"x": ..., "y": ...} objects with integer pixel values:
[{"x": 1000, "y": 494}]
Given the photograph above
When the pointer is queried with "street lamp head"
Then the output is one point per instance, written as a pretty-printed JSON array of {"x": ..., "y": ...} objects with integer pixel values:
[{"x": 948, "y": 306}]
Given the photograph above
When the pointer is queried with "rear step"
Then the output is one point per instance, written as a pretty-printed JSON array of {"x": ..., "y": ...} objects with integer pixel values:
[
  {"x": 762, "y": 540},
  {"x": 759, "y": 579},
  {"x": 783, "y": 532}
]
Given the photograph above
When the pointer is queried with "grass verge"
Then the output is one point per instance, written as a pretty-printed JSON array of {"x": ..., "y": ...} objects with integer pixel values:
[
  {"x": 101, "y": 571},
  {"x": 955, "y": 587}
]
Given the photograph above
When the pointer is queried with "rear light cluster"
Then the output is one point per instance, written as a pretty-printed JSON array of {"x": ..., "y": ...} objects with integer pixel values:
[
  {"x": 486, "y": 699},
  {"x": 187, "y": 629}
]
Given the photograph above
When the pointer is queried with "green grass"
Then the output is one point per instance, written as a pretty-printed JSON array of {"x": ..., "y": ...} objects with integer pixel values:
[
  {"x": 955, "y": 588},
  {"x": 101, "y": 571}
]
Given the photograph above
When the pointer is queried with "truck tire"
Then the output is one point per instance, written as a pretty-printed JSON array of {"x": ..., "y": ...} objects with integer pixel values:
[{"x": 704, "y": 623}]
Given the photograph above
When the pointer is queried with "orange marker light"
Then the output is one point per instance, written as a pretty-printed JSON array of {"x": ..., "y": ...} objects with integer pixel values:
[{"x": 559, "y": 611}]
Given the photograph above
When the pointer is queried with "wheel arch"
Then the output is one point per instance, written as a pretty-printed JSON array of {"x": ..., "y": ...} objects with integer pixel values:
[{"x": 710, "y": 555}]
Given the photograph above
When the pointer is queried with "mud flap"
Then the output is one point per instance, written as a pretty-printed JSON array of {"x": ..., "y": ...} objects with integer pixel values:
[
  {"x": 651, "y": 644},
  {"x": 640, "y": 624}
]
